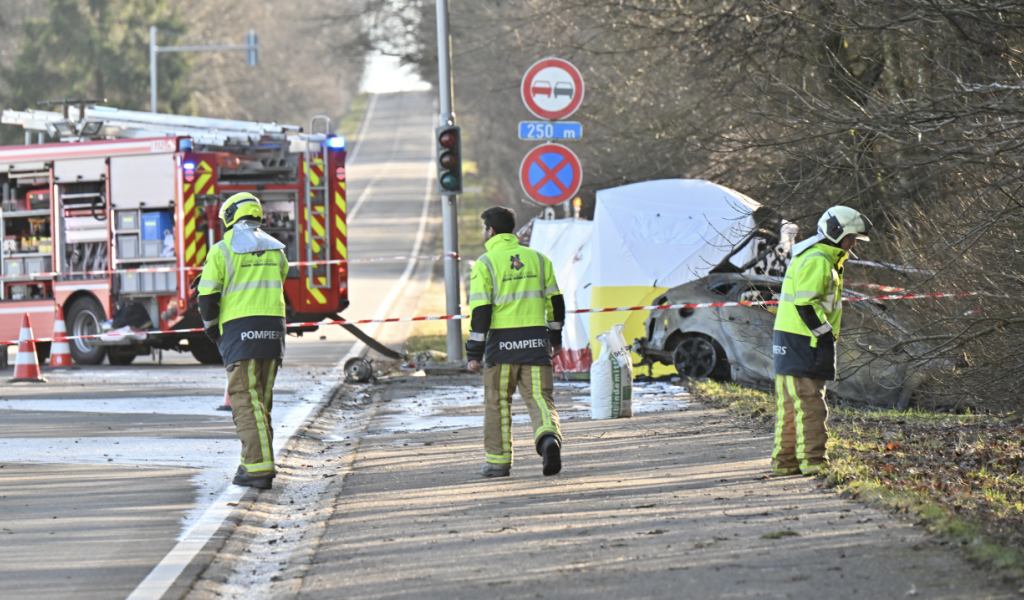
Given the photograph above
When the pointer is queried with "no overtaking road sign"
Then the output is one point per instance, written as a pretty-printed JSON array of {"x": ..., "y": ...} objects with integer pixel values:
[
  {"x": 552, "y": 88},
  {"x": 550, "y": 174}
]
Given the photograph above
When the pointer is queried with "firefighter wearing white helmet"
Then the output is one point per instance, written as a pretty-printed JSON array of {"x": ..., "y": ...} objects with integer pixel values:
[
  {"x": 804, "y": 342},
  {"x": 241, "y": 300}
]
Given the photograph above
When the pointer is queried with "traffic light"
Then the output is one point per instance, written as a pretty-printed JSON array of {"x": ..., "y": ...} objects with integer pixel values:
[{"x": 449, "y": 159}]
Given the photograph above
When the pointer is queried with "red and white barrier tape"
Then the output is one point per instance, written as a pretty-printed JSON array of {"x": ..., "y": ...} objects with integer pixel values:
[
  {"x": 891, "y": 267},
  {"x": 339, "y": 261},
  {"x": 112, "y": 336},
  {"x": 876, "y": 286}
]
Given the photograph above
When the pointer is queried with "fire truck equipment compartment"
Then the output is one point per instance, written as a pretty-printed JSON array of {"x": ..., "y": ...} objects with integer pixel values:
[
  {"x": 79, "y": 169},
  {"x": 81, "y": 236},
  {"x": 128, "y": 246},
  {"x": 38, "y": 264},
  {"x": 37, "y": 199},
  {"x": 14, "y": 266},
  {"x": 127, "y": 219},
  {"x": 151, "y": 248},
  {"x": 129, "y": 282},
  {"x": 133, "y": 180},
  {"x": 158, "y": 282},
  {"x": 84, "y": 223},
  {"x": 154, "y": 224}
]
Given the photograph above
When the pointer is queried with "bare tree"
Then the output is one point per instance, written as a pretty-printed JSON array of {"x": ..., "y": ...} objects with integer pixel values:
[{"x": 908, "y": 110}]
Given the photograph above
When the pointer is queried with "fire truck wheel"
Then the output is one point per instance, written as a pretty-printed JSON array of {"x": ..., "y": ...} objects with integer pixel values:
[
  {"x": 84, "y": 318},
  {"x": 205, "y": 351},
  {"x": 42, "y": 352},
  {"x": 120, "y": 356}
]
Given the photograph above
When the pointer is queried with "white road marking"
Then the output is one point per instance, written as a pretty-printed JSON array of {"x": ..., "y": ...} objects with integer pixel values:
[
  {"x": 385, "y": 306},
  {"x": 366, "y": 193},
  {"x": 192, "y": 541},
  {"x": 189, "y": 453},
  {"x": 169, "y": 405},
  {"x": 203, "y": 406}
]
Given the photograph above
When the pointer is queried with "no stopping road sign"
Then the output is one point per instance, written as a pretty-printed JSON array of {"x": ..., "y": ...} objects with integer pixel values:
[{"x": 550, "y": 174}]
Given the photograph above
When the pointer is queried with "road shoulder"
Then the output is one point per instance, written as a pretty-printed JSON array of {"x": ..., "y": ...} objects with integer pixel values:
[{"x": 666, "y": 504}]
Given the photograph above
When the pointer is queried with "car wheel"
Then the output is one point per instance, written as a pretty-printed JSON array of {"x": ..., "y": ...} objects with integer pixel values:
[
  {"x": 695, "y": 357},
  {"x": 204, "y": 351},
  {"x": 84, "y": 318},
  {"x": 121, "y": 356}
]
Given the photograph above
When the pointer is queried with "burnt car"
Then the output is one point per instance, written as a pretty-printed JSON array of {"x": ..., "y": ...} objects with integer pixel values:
[{"x": 734, "y": 343}]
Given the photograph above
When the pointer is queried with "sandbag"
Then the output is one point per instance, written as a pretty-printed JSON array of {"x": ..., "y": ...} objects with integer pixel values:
[{"x": 611, "y": 377}]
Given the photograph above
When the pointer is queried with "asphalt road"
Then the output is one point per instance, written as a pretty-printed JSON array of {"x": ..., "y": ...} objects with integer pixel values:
[{"x": 104, "y": 469}]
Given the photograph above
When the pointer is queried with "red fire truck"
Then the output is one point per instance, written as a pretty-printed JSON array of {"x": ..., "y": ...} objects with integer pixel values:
[{"x": 118, "y": 217}]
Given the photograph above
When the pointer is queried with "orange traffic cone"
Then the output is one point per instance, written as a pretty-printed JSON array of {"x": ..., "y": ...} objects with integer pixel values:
[
  {"x": 227, "y": 401},
  {"x": 60, "y": 353},
  {"x": 26, "y": 366}
]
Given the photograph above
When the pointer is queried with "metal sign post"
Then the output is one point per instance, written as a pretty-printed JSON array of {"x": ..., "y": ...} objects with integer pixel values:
[
  {"x": 251, "y": 46},
  {"x": 449, "y": 202}
]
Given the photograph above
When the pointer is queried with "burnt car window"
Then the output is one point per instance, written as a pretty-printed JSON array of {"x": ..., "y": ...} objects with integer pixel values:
[
  {"x": 759, "y": 294},
  {"x": 722, "y": 289}
]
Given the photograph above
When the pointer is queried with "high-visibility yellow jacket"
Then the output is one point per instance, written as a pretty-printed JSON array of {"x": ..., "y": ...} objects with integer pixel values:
[
  {"x": 810, "y": 313},
  {"x": 516, "y": 304},
  {"x": 243, "y": 295}
]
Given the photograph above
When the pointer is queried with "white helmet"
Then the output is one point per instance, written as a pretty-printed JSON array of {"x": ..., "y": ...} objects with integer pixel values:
[{"x": 835, "y": 224}]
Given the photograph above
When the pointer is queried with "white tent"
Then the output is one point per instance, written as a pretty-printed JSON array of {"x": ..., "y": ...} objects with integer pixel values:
[
  {"x": 668, "y": 232},
  {"x": 652, "y": 236},
  {"x": 567, "y": 243}
]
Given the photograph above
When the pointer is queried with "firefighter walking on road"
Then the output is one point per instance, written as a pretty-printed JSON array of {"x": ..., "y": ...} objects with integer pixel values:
[
  {"x": 241, "y": 299},
  {"x": 804, "y": 342},
  {"x": 516, "y": 328}
]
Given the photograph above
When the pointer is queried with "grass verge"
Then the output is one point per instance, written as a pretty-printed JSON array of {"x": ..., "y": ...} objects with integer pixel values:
[
  {"x": 349, "y": 125},
  {"x": 960, "y": 474},
  {"x": 427, "y": 343}
]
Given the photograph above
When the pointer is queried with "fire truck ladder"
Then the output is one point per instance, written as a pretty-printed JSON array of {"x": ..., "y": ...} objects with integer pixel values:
[
  {"x": 316, "y": 205},
  {"x": 87, "y": 122}
]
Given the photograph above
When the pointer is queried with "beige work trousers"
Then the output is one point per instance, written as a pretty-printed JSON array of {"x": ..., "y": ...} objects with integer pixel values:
[
  {"x": 536, "y": 386},
  {"x": 800, "y": 430},
  {"x": 251, "y": 391}
]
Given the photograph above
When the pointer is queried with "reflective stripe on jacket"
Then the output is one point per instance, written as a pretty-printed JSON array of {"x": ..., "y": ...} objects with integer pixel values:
[
  {"x": 249, "y": 284},
  {"x": 518, "y": 283},
  {"x": 815, "y": 279}
]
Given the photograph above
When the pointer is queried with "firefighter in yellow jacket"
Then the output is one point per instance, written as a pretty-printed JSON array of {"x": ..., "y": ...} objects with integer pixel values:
[
  {"x": 516, "y": 329},
  {"x": 804, "y": 342},
  {"x": 241, "y": 300}
]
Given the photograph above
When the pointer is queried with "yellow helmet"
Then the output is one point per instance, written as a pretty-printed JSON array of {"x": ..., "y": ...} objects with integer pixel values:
[{"x": 240, "y": 206}]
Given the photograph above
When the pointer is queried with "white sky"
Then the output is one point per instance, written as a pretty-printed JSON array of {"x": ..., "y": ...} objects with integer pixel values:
[{"x": 383, "y": 75}]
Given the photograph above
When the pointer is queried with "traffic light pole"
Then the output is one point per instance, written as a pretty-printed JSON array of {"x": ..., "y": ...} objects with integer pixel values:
[{"x": 449, "y": 202}]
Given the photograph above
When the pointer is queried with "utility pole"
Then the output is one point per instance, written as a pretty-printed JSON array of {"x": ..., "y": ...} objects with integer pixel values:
[
  {"x": 449, "y": 201},
  {"x": 251, "y": 46}
]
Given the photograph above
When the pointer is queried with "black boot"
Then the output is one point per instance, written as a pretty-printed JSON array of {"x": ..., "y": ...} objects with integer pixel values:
[
  {"x": 243, "y": 478},
  {"x": 550, "y": 451}
]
